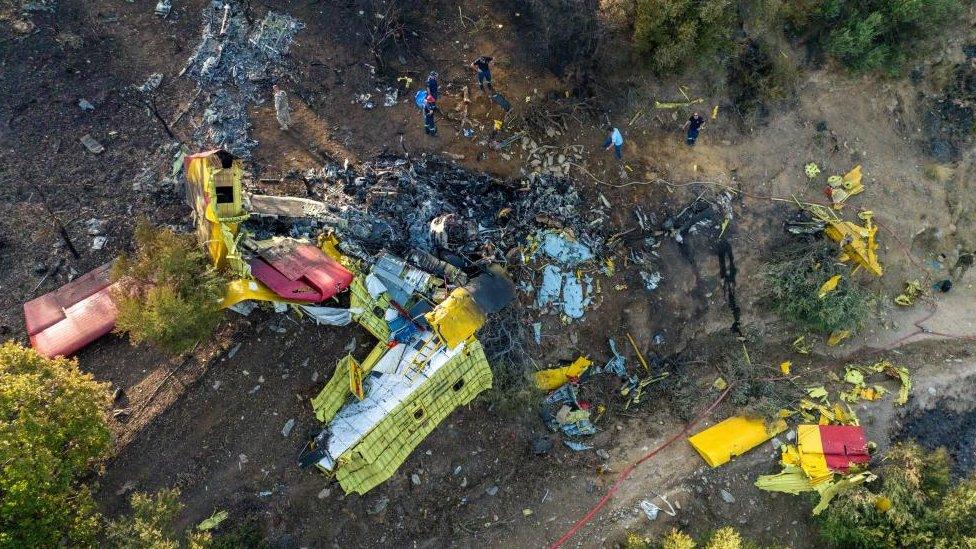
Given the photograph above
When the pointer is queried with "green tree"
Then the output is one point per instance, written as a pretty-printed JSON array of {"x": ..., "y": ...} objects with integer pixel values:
[
  {"x": 793, "y": 280},
  {"x": 168, "y": 294},
  {"x": 669, "y": 33},
  {"x": 151, "y": 525},
  {"x": 53, "y": 432},
  {"x": 871, "y": 34},
  {"x": 917, "y": 506}
]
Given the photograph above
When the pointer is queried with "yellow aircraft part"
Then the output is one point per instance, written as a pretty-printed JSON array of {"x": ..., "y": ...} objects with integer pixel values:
[
  {"x": 340, "y": 386},
  {"x": 215, "y": 194},
  {"x": 733, "y": 437},
  {"x": 381, "y": 452},
  {"x": 857, "y": 242},
  {"x": 368, "y": 312},
  {"x": 554, "y": 378},
  {"x": 456, "y": 318},
  {"x": 244, "y": 289},
  {"x": 792, "y": 480},
  {"x": 809, "y": 454},
  {"x": 356, "y": 376},
  {"x": 334, "y": 394}
]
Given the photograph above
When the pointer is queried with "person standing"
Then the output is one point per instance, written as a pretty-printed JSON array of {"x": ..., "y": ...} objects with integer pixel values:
[
  {"x": 694, "y": 125},
  {"x": 282, "y": 111},
  {"x": 616, "y": 141},
  {"x": 432, "y": 85},
  {"x": 430, "y": 107},
  {"x": 482, "y": 66}
]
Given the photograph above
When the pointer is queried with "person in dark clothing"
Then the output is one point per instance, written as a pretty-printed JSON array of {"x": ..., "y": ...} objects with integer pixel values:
[
  {"x": 430, "y": 107},
  {"x": 432, "y": 85},
  {"x": 694, "y": 125},
  {"x": 482, "y": 66}
]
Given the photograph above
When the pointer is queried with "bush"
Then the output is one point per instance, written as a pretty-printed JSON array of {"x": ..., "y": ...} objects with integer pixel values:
[
  {"x": 917, "y": 506},
  {"x": 151, "y": 524},
  {"x": 758, "y": 76},
  {"x": 168, "y": 293},
  {"x": 52, "y": 432},
  {"x": 872, "y": 34},
  {"x": 794, "y": 278},
  {"x": 669, "y": 33}
]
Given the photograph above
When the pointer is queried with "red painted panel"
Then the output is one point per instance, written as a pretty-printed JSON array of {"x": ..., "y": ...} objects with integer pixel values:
[
  {"x": 300, "y": 272},
  {"x": 71, "y": 317},
  {"x": 844, "y": 445}
]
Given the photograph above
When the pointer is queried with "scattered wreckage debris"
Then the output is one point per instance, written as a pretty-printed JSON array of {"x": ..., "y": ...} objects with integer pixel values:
[
  {"x": 426, "y": 363},
  {"x": 234, "y": 65},
  {"x": 827, "y": 459}
]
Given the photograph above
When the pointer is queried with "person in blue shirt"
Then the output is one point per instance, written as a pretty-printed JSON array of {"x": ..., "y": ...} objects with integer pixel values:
[
  {"x": 694, "y": 125},
  {"x": 432, "y": 85},
  {"x": 616, "y": 140}
]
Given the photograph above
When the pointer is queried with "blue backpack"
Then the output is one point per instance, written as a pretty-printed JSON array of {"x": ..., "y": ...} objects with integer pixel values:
[{"x": 421, "y": 99}]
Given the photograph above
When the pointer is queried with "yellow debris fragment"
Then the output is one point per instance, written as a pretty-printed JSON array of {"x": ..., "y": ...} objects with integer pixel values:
[
  {"x": 812, "y": 170},
  {"x": 837, "y": 336},
  {"x": 785, "y": 367},
  {"x": 829, "y": 286},
  {"x": 857, "y": 242},
  {"x": 801, "y": 346},
  {"x": 913, "y": 290},
  {"x": 554, "y": 378},
  {"x": 719, "y": 384}
]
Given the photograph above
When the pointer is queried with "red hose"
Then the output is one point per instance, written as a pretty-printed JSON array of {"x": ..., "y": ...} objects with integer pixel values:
[{"x": 630, "y": 469}]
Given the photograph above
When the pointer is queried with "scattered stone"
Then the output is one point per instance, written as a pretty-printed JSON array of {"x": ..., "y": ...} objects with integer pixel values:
[
  {"x": 324, "y": 493},
  {"x": 379, "y": 506},
  {"x": 491, "y": 490},
  {"x": 727, "y": 497},
  {"x": 541, "y": 445},
  {"x": 415, "y": 479},
  {"x": 289, "y": 425},
  {"x": 98, "y": 243},
  {"x": 233, "y": 350},
  {"x": 97, "y": 227},
  {"x": 85, "y": 105},
  {"x": 151, "y": 83},
  {"x": 93, "y": 146}
]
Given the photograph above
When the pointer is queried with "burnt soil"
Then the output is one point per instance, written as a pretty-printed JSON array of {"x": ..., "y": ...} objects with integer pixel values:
[{"x": 187, "y": 422}]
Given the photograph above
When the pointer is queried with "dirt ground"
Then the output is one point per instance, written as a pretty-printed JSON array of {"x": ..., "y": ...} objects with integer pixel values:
[{"x": 211, "y": 424}]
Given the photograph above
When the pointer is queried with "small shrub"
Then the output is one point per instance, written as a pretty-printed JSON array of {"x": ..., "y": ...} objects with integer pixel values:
[
  {"x": 670, "y": 33},
  {"x": 637, "y": 541},
  {"x": 168, "y": 294},
  {"x": 794, "y": 279},
  {"x": 151, "y": 525},
  {"x": 676, "y": 539},
  {"x": 52, "y": 433},
  {"x": 757, "y": 77},
  {"x": 725, "y": 538},
  {"x": 920, "y": 506}
]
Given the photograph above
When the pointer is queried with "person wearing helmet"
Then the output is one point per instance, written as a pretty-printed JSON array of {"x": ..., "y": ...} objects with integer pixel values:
[{"x": 430, "y": 107}]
